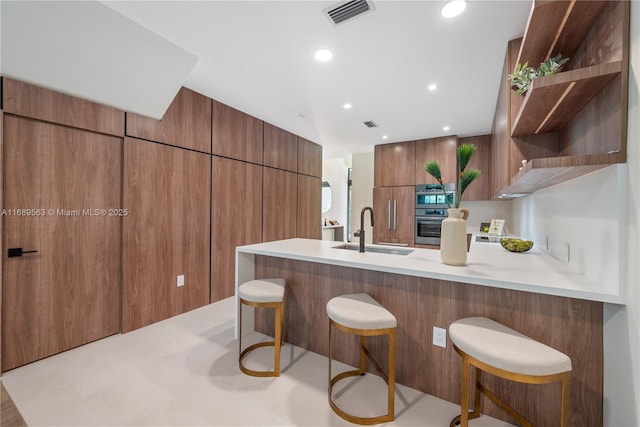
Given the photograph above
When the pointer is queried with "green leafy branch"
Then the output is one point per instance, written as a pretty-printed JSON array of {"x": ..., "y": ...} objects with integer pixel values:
[
  {"x": 523, "y": 75},
  {"x": 464, "y": 177}
]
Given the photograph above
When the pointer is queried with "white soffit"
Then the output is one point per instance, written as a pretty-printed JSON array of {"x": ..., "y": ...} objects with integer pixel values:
[{"x": 90, "y": 51}]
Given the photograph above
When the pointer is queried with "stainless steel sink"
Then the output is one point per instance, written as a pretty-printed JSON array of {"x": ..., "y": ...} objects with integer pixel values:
[{"x": 377, "y": 249}]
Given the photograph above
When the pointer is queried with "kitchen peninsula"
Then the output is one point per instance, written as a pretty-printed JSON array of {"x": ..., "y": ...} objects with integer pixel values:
[{"x": 532, "y": 293}]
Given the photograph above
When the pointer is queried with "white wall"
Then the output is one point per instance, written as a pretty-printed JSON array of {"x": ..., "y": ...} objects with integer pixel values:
[
  {"x": 486, "y": 211},
  {"x": 602, "y": 226},
  {"x": 335, "y": 172},
  {"x": 362, "y": 176}
]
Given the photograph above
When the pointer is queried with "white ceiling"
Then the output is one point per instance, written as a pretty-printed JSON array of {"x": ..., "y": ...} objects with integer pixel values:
[{"x": 257, "y": 56}]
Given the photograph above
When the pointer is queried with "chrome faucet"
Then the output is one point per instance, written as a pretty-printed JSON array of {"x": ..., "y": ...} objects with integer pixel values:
[{"x": 360, "y": 233}]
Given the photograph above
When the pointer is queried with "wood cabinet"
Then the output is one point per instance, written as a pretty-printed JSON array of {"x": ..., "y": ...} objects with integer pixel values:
[
  {"x": 236, "y": 135},
  {"x": 573, "y": 122},
  {"x": 394, "y": 213},
  {"x": 186, "y": 123},
  {"x": 394, "y": 164},
  {"x": 235, "y": 221},
  {"x": 309, "y": 158},
  {"x": 166, "y": 232},
  {"x": 309, "y": 223},
  {"x": 443, "y": 150},
  {"x": 280, "y": 148},
  {"x": 279, "y": 205},
  {"x": 23, "y": 99},
  {"x": 480, "y": 189}
]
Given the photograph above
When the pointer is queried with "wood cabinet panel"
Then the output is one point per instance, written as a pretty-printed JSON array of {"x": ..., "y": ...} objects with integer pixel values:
[
  {"x": 186, "y": 123},
  {"x": 27, "y": 100},
  {"x": 280, "y": 148},
  {"x": 443, "y": 150},
  {"x": 394, "y": 215},
  {"x": 235, "y": 221},
  {"x": 66, "y": 294},
  {"x": 394, "y": 164},
  {"x": 236, "y": 134},
  {"x": 280, "y": 204},
  {"x": 572, "y": 326},
  {"x": 166, "y": 232},
  {"x": 309, "y": 158},
  {"x": 480, "y": 189},
  {"x": 309, "y": 223}
]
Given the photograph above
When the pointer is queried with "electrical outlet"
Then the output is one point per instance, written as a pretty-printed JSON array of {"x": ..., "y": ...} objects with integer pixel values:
[
  {"x": 180, "y": 280},
  {"x": 439, "y": 337}
]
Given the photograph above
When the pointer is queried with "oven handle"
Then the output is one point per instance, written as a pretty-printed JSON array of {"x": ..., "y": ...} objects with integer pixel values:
[{"x": 388, "y": 214}]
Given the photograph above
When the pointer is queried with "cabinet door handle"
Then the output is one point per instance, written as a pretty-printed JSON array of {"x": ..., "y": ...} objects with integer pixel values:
[
  {"x": 16, "y": 252},
  {"x": 388, "y": 214},
  {"x": 395, "y": 214}
]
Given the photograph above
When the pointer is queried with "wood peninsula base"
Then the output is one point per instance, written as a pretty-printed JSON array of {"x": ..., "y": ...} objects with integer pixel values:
[{"x": 572, "y": 326}]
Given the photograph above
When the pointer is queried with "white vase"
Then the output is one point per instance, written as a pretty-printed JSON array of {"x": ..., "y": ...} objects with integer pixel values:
[{"x": 453, "y": 238}]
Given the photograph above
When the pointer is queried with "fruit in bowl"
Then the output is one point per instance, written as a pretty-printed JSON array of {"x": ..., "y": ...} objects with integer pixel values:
[{"x": 516, "y": 245}]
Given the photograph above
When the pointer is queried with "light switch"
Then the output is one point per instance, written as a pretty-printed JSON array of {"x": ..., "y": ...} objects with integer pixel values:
[{"x": 180, "y": 281}]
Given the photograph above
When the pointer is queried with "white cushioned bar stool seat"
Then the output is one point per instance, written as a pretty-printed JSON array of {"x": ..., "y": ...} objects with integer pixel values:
[
  {"x": 263, "y": 293},
  {"x": 362, "y": 315},
  {"x": 494, "y": 348}
]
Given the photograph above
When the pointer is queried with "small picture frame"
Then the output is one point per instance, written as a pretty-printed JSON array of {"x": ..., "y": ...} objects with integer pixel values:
[{"x": 497, "y": 227}]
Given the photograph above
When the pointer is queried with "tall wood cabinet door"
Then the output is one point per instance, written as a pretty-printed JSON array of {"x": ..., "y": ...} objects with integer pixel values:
[
  {"x": 186, "y": 123},
  {"x": 309, "y": 158},
  {"x": 404, "y": 222},
  {"x": 394, "y": 164},
  {"x": 167, "y": 192},
  {"x": 443, "y": 150},
  {"x": 309, "y": 207},
  {"x": 236, "y": 135},
  {"x": 235, "y": 220},
  {"x": 279, "y": 203},
  {"x": 480, "y": 189},
  {"x": 383, "y": 214},
  {"x": 280, "y": 148},
  {"x": 68, "y": 293}
]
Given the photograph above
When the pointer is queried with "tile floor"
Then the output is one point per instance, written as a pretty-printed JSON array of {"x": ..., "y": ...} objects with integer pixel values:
[{"x": 183, "y": 371}]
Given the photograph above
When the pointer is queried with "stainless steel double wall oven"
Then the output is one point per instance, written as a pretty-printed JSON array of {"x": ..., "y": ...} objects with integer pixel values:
[{"x": 431, "y": 210}]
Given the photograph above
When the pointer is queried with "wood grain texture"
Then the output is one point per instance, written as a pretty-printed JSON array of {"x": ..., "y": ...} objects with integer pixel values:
[
  {"x": 66, "y": 294},
  {"x": 280, "y": 204},
  {"x": 480, "y": 189},
  {"x": 383, "y": 214},
  {"x": 186, "y": 123},
  {"x": 607, "y": 38},
  {"x": 309, "y": 222},
  {"x": 404, "y": 231},
  {"x": 394, "y": 164},
  {"x": 394, "y": 215},
  {"x": 442, "y": 149},
  {"x": 166, "y": 232},
  {"x": 236, "y": 135},
  {"x": 27, "y": 100},
  {"x": 235, "y": 220},
  {"x": 280, "y": 148},
  {"x": 309, "y": 158},
  {"x": 569, "y": 325}
]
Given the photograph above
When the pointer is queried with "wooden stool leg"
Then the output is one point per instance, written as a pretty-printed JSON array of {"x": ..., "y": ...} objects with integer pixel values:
[
  {"x": 464, "y": 395},
  {"x": 330, "y": 345},
  {"x": 363, "y": 359},
  {"x": 476, "y": 399},
  {"x": 392, "y": 373},
  {"x": 277, "y": 339},
  {"x": 564, "y": 415}
]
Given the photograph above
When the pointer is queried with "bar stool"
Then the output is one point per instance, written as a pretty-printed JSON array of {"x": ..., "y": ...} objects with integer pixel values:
[
  {"x": 494, "y": 348},
  {"x": 362, "y": 315},
  {"x": 263, "y": 293}
]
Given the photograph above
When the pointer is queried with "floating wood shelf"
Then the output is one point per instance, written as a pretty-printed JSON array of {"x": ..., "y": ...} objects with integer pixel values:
[
  {"x": 545, "y": 172},
  {"x": 557, "y": 27},
  {"x": 552, "y": 101}
]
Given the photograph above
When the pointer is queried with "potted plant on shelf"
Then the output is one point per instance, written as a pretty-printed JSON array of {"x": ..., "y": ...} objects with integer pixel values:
[
  {"x": 453, "y": 238},
  {"x": 523, "y": 75}
]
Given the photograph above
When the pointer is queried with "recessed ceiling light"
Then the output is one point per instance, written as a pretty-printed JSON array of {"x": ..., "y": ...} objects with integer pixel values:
[
  {"x": 453, "y": 8},
  {"x": 347, "y": 106},
  {"x": 323, "y": 55},
  {"x": 432, "y": 87},
  {"x": 446, "y": 128},
  {"x": 385, "y": 137}
]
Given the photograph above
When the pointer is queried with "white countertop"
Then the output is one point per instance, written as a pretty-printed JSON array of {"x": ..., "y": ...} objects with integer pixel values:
[{"x": 488, "y": 264}]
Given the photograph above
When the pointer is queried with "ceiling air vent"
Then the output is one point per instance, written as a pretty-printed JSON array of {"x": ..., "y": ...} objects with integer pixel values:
[
  {"x": 346, "y": 10},
  {"x": 370, "y": 124}
]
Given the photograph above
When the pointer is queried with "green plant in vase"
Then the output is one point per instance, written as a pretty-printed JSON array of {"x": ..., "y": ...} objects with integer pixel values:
[
  {"x": 464, "y": 176},
  {"x": 523, "y": 75}
]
